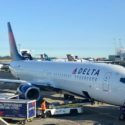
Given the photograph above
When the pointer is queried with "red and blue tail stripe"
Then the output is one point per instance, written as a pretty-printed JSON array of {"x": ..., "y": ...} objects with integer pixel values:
[{"x": 13, "y": 48}]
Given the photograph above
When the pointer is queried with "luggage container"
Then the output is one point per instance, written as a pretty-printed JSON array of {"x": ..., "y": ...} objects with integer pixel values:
[{"x": 18, "y": 109}]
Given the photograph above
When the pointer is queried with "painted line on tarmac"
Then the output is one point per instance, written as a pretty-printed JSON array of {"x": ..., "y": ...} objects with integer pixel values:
[{"x": 106, "y": 114}]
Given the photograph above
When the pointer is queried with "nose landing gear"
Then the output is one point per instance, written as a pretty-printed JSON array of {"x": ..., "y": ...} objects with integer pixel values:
[{"x": 122, "y": 114}]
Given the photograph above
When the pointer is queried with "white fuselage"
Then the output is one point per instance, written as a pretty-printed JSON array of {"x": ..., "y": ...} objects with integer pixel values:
[{"x": 100, "y": 81}]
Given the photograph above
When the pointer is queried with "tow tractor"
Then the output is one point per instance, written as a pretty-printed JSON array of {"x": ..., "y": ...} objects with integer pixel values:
[{"x": 55, "y": 109}]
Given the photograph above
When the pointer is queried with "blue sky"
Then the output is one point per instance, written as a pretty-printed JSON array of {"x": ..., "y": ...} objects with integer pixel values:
[{"x": 57, "y": 27}]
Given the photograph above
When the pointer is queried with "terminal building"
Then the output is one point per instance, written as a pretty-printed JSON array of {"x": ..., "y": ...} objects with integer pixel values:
[{"x": 119, "y": 57}]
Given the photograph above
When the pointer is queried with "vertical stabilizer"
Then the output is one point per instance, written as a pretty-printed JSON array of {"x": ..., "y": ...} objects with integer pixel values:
[{"x": 13, "y": 48}]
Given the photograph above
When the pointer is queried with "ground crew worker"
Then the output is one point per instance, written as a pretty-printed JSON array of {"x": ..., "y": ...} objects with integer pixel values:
[{"x": 43, "y": 107}]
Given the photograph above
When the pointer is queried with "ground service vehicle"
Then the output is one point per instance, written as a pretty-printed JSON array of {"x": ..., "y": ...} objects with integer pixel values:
[{"x": 65, "y": 109}]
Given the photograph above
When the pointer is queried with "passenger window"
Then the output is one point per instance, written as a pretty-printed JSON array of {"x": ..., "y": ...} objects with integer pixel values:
[{"x": 122, "y": 80}]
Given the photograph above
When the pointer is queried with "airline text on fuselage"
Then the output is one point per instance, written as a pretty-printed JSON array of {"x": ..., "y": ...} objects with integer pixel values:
[{"x": 86, "y": 71}]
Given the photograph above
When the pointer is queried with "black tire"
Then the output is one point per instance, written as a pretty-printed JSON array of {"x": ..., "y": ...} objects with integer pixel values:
[
  {"x": 66, "y": 96},
  {"x": 43, "y": 115},
  {"x": 73, "y": 112},
  {"x": 122, "y": 116},
  {"x": 69, "y": 97},
  {"x": 48, "y": 114},
  {"x": 23, "y": 122}
]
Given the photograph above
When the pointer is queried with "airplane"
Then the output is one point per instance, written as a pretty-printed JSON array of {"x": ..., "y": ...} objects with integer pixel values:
[
  {"x": 75, "y": 58},
  {"x": 95, "y": 81}
]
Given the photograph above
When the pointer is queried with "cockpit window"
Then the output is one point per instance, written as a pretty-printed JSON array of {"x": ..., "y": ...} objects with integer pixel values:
[{"x": 122, "y": 80}]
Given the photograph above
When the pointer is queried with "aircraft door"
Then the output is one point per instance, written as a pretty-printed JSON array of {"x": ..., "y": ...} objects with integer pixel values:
[{"x": 105, "y": 84}]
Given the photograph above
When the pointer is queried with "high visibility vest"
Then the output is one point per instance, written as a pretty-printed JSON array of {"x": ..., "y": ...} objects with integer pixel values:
[{"x": 43, "y": 106}]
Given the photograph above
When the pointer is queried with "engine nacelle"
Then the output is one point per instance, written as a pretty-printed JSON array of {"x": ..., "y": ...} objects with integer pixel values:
[{"x": 28, "y": 91}]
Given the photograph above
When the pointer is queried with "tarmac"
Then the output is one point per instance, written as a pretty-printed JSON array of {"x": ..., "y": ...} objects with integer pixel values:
[{"x": 97, "y": 114}]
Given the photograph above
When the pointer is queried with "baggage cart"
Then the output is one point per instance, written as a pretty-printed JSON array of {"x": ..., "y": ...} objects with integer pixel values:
[{"x": 18, "y": 109}]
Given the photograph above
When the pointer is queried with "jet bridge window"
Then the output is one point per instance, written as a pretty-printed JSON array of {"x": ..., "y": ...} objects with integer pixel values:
[{"x": 122, "y": 80}]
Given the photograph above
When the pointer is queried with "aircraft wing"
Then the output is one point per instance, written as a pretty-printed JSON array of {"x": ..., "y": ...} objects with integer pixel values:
[
  {"x": 27, "y": 89},
  {"x": 5, "y": 63},
  {"x": 13, "y": 83},
  {"x": 10, "y": 83}
]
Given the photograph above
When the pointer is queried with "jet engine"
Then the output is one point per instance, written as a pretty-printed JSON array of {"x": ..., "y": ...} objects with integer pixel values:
[{"x": 28, "y": 91}]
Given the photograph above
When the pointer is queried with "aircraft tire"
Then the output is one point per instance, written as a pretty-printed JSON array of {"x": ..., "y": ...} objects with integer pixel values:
[
  {"x": 73, "y": 112},
  {"x": 121, "y": 116}
]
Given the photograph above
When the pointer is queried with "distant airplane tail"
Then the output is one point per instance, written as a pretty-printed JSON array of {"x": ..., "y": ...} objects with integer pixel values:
[
  {"x": 13, "y": 48},
  {"x": 70, "y": 57}
]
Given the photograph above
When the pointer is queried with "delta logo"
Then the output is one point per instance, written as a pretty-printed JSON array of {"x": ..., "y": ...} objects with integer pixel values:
[{"x": 86, "y": 71}]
